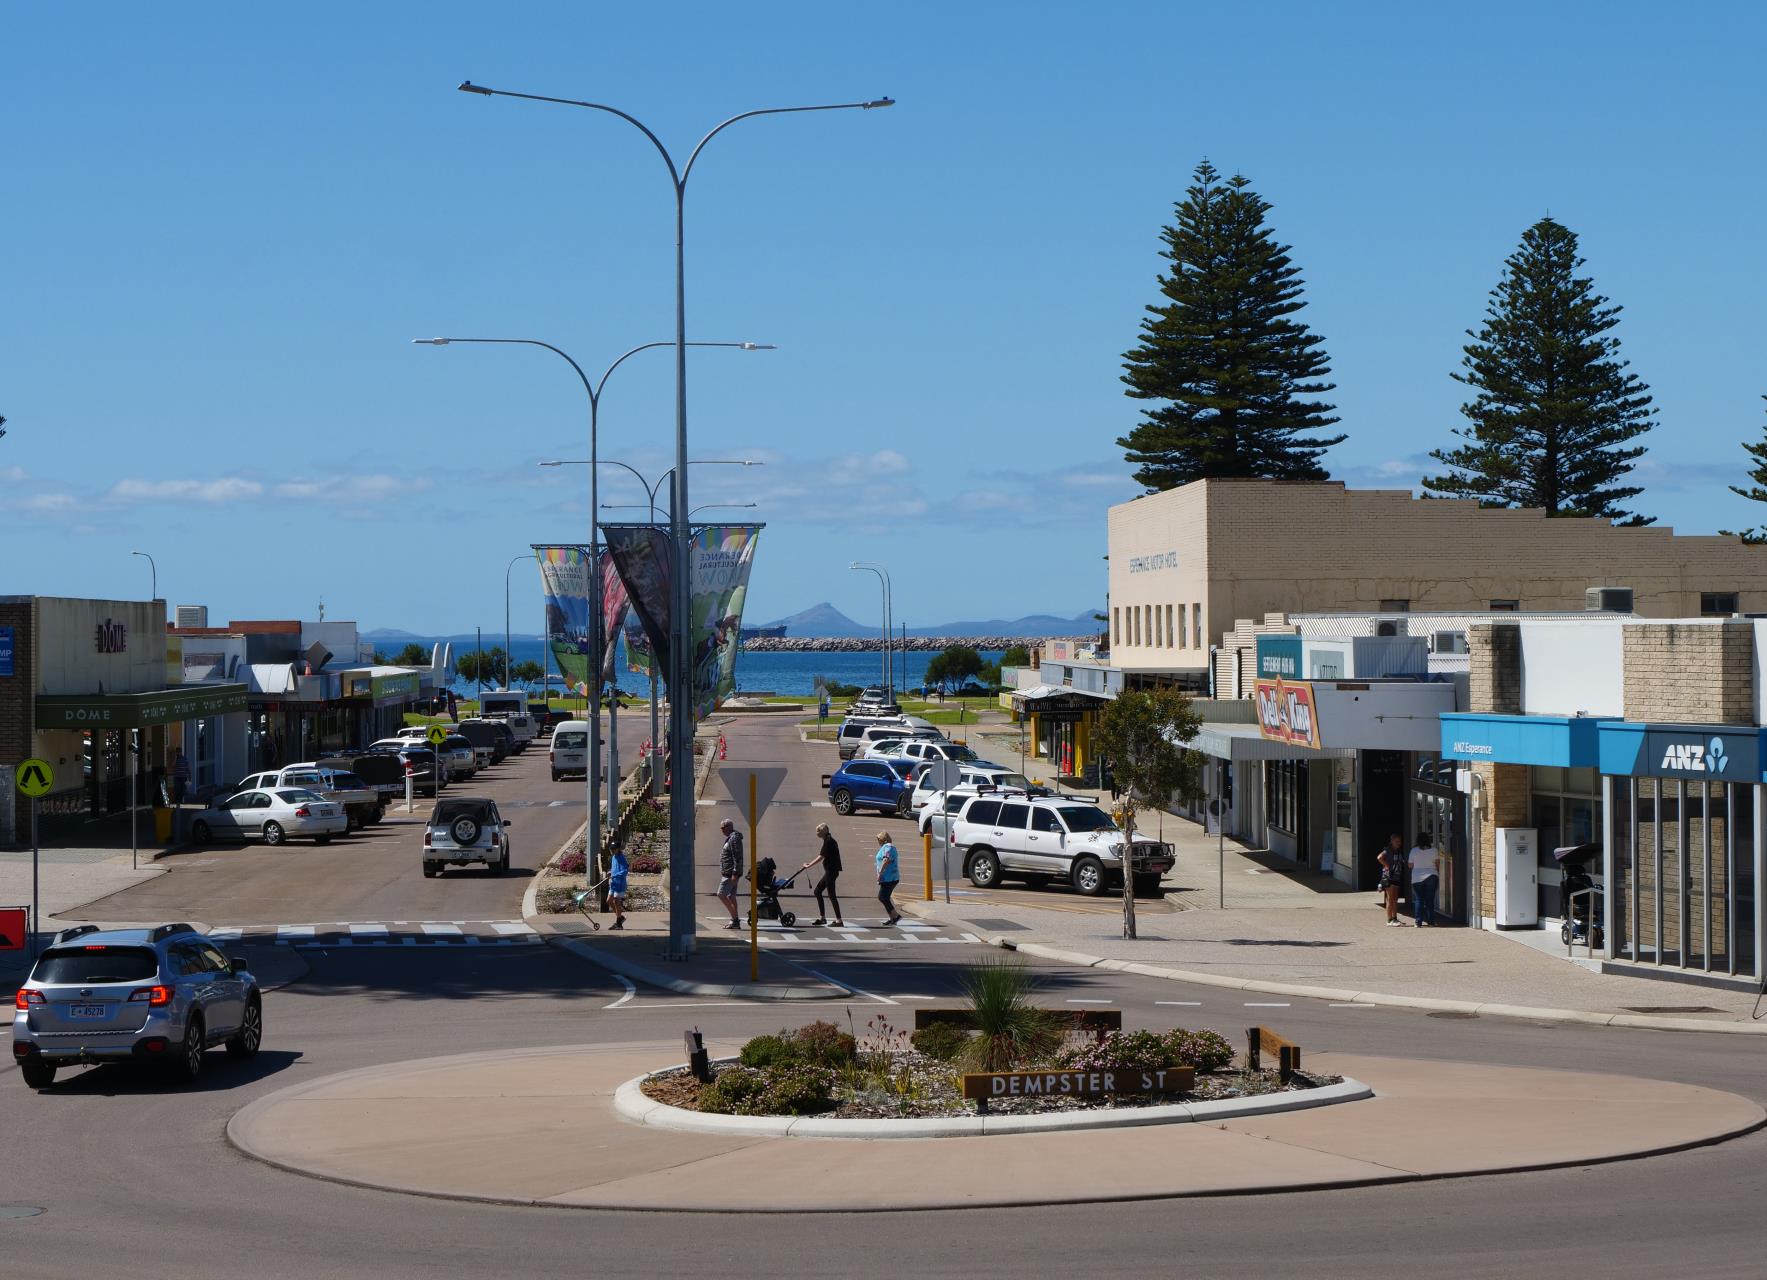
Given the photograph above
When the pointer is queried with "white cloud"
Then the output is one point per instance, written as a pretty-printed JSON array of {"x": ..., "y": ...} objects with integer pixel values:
[
  {"x": 1098, "y": 480},
  {"x": 351, "y": 489},
  {"x": 12, "y": 475},
  {"x": 50, "y": 502},
  {"x": 217, "y": 491}
]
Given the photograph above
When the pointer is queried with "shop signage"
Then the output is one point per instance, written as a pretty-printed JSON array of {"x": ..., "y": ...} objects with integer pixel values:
[
  {"x": 5, "y": 651},
  {"x": 1279, "y": 657},
  {"x": 112, "y": 636},
  {"x": 986, "y": 1085},
  {"x": 137, "y": 710},
  {"x": 1147, "y": 564},
  {"x": 1712, "y": 753},
  {"x": 1286, "y": 712},
  {"x": 1543, "y": 740}
]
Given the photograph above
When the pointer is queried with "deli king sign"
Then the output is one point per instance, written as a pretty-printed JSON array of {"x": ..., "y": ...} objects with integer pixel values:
[{"x": 1286, "y": 712}]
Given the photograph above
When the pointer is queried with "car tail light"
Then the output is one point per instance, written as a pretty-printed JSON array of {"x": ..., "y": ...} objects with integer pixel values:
[
  {"x": 426, "y": 840},
  {"x": 303, "y": 812},
  {"x": 152, "y": 997},
  {"x": 551, "y": 756},
  {"x": 25, "y": 999}
]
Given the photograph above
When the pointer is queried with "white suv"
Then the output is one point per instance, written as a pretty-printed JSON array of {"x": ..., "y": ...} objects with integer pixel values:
[
  {"x": 1042, "y": 839},
  {"x": 973, "y": 778}
]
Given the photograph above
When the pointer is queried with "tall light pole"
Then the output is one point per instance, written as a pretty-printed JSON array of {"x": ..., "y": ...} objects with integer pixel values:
[
  {"x": 154, "y": 568},
  {"x": 650, "y": 491},
  {"x": 513, "y": 561},
  {"x": 682, "y": 921},
  {"x": 889, "y": 664}
]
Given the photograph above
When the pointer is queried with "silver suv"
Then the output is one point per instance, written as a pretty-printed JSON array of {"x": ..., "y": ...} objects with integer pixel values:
[
  {"x": 160, "y": 996},
  {"x": 465, "y": 830},
  {"x": 1043, "y": 838}
]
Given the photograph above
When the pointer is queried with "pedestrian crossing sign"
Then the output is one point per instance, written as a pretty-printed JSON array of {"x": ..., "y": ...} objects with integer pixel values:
[{"x": 34, "y": 777}]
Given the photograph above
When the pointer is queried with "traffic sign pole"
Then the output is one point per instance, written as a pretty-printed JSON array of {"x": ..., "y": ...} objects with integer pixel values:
[
  {"x": 35, "y": 777},
  {"x": 36, "y": 897}
]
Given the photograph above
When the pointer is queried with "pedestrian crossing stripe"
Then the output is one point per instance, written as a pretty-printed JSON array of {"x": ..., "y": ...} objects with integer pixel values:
[
  {"x": 800, "y": 940},
  {"x": 396, "y": 933}
]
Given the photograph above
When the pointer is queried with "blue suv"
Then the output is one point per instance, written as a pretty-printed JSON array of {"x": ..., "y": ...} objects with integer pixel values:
[
  {"x": 884, "y": 785},
  {"x": 160, "y": 996}
]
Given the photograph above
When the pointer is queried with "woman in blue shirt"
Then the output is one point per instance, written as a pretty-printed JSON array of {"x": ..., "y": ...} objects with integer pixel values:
[{"x": 888, "y": 875}]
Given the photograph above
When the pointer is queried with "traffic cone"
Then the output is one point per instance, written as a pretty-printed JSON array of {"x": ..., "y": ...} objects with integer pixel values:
[{"x": 723, "y": 750}]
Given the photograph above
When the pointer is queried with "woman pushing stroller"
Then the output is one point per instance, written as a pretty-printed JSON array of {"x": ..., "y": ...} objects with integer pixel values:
[{"x": 830, "y": 858}]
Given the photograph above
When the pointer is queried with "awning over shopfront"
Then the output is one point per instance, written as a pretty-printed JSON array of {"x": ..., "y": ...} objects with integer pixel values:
[
  {"x": 1044, "y": 698},
  {"x": 383, "y": 686},
  {"x": 1565, "y": 741},
  {"x": 1243, "y": 742},
  {"x": 138, "y": 710}
]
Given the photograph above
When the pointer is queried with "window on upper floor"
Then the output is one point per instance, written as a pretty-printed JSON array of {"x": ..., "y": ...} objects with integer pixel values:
[
  {"x": 1718, "y": 604},
  {"x": 1506, "y": 606},
  {"x": 1395, "y": 606}
]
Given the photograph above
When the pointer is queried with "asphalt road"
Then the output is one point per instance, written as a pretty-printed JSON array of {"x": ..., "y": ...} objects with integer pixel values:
[{"x": 136, "y": 1177}]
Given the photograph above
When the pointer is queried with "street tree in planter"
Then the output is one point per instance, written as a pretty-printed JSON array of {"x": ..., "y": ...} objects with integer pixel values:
[{"x": 1142, "y": 736}]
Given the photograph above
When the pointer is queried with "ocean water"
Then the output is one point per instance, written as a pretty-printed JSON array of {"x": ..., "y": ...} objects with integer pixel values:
[{"x": 791, "y": 674}]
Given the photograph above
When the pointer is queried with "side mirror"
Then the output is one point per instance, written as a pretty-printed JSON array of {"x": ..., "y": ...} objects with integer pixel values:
[{"x": 507, "y": 824}]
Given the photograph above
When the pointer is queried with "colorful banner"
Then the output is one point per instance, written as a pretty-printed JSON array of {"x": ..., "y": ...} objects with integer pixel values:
[
  {"x": 719, "y": 558},
  {"x": 1286, "y": 712},
  {"x": 564, "y": 573}
]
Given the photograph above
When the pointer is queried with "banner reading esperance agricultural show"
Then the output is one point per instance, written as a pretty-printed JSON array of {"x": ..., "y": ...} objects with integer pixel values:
[{"x": 564, "y": 575}]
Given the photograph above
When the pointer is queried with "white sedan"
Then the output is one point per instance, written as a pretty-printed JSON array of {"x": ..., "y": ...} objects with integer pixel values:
[{"x": 274, "y": 815}]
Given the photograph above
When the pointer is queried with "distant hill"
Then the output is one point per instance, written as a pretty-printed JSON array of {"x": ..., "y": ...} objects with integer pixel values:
[
  {"x": 388, "y": 633},
  {"x": 824, "y": 620}
]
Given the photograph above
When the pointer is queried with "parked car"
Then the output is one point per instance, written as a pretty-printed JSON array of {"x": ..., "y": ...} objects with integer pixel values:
[
  {"x": 880, "y": 733},
  {"x": 489, "y": 733},
  {"x": 361, "y": 802},
  {"x": 160, "y": 996},
  {"x": 271, "y": 815},
  {"x": 381, "y": 771},
  {"x": 869, "y": 784},
  {"x": 940, "y": 749},
  {"x": 569, "y": 754},
  {"x": 461, "y": 756},
  {"x": 1048, "y": 838},
  {"x": 463, "y": 830},
  {"x": 521, "y": 725},
  {"x": 892, "y": 742},
  {"x": 428, "y": 776},
  {"x": 977, "y": 777}
]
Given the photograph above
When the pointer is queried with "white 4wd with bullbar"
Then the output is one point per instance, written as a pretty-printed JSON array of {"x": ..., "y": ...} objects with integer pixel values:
[
  {"x": 465, "y": 830},
  {"x": 1040, "y": 839}
]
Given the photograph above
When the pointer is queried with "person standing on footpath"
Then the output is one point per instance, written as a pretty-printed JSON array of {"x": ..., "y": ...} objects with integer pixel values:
[
  {"x": 617, "y": 867},
  {"x": 730, "y": 870},
  {"x": 1425, "y": 864},
  {"x": 1395, "y": 870},
  {"x": 180, "y": 779},
  {"x": 830, "y": 858},
  {"x": 888, "y": 875}
]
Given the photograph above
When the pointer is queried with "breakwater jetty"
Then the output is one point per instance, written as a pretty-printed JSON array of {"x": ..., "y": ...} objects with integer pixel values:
[{"x": 874, "y": 644}]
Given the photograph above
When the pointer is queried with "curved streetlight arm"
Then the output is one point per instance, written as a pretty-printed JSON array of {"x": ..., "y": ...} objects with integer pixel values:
[
  {"x": 775, "y": 111},
  {"x": 593, "y": 391},
  {"x": 155, "y": 569}
]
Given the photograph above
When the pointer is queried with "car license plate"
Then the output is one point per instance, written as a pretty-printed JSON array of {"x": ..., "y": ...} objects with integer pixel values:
[{"x": 88, "y": 1010}]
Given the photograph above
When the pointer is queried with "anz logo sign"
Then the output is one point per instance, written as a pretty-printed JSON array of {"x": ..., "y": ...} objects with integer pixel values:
[{"x": 1695, "y": 757}]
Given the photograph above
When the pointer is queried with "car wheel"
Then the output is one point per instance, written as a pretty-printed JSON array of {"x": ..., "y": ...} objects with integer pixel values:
[
  {"x": 843, "y": 802},
  {"x": 431, "y": 871},
  {"x": 187, "y": 1066},
  {"x": 323, "y": 837},
  {"x": 904, "y": 805},
  {"x": 199, "y": 832},
  {"x": 556, "y": 776},
  {"x": 273, "y": 833},
  {"x": 465, "y": 831},
  {"x": 984, "y": 869},
  {"x": 244, "y": 1042},
  {"x": 38, "y": 1074},
  {"x": 1089, "y": 877},
  {"x": 350, "y": 823}
]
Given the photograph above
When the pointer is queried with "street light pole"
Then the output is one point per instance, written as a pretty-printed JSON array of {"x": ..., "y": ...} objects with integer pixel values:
[
  {"x": 154, "y": 568},
  {"x": 889, "y": 663},
  {"x": 682, "y": 921},
  {"x": 507, "y": 646}
]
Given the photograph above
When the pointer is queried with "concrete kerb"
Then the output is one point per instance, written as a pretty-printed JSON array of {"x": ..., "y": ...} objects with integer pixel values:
[
  {"x": 1487, "y": 1009},
  {"x": 684, "y": 986},
  {"x": 632, "y": 1104}
]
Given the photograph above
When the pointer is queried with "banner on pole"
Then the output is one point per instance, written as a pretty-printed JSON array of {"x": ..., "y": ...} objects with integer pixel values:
[{"x": 564, "y": 575}]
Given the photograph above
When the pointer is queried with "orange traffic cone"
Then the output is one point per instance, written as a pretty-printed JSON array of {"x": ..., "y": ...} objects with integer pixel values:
[{"x": 722, "y": 749}]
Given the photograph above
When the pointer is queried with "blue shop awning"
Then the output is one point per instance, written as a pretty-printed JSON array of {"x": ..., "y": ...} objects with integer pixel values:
[{"x": 1566, "y": 741}]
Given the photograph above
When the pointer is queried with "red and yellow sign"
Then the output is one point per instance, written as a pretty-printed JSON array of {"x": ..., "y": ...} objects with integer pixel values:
[{"x": 1286, "y": 712}]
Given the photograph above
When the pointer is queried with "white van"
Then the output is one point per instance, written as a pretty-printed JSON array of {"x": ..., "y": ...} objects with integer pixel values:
[
  {"x": 504, "y": 701},
  {"x": 570, "y": 749}
]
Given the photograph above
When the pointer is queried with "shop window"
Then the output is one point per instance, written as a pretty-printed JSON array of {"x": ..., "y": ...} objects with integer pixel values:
[
  {"x": 1717, "y": 604},
  {"x": 1282, "y": 794},
  {"x": 1159, "y": 637}
]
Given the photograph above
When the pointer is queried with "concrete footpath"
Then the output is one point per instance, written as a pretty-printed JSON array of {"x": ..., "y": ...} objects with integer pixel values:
[
  {"x": 719, "y": 967},
  {"x": 538, "y": 1127}
]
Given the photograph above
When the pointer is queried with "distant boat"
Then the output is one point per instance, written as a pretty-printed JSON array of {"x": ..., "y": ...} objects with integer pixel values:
[{"x": 773, "y": 632}]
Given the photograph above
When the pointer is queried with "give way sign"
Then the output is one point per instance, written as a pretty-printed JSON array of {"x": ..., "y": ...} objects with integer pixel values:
[{"x": 767, "y": 783}]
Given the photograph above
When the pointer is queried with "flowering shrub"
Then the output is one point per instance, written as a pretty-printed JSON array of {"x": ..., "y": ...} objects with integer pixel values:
[
  {"x": 1152, "y": 1050},
  {"x": 795, "y": 1090},
  {"x": 821, "y": 1044},
  {"x": 646, "y": 864},
  {"x": 571, "y": 864}
]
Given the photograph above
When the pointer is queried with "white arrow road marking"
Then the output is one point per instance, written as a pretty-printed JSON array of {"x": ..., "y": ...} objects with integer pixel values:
[{"x": 630, "y": 992}]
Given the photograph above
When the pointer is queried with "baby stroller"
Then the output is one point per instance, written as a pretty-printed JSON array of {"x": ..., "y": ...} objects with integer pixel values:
[
  {"x": 1581, "y": 914},
  {"x": 768, "y": 887}
]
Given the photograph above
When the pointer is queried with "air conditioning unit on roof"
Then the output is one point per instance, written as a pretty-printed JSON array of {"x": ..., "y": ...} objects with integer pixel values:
[{"x": 191, "y": 615}]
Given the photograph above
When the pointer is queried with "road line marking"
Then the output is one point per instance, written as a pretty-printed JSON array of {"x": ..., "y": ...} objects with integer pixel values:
[
  {"x": 1189, "y": 1004},
  {"x": 1352, "y": 1006},
  {"x": 432, "y": 927},
  {"x": 510, "y": 926},
  {"x": 368, "y": 930},
  {"x": 705, "y": 804},
  {"x": 913, "y": 997},
  {"x": 631, "y": 990},
  {"x": 847, "y": 986},
  {"x": 1266, "y": 1004},
  {"x": 1088, "y": 1001}
]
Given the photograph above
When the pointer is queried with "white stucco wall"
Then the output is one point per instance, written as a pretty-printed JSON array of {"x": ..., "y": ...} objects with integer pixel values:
[{"x": 1573, "y": 668}]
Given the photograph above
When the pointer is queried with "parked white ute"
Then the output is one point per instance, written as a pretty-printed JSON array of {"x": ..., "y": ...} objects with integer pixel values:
[{"x": 1043, "y": 839}]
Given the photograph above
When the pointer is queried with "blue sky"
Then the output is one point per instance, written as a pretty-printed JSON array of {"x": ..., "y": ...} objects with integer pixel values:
[{"x": 224, "y": 223}]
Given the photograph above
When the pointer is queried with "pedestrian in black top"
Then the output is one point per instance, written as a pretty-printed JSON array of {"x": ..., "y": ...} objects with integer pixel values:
[
  {"x": 830, "y": 858},
  {"x": 730, "y": 870}
]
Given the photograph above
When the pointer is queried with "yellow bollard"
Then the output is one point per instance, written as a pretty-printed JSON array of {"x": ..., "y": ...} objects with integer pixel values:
[{"x": 928, "y": 840}]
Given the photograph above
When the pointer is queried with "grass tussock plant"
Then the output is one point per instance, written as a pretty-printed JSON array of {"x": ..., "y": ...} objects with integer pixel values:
[
  {"x": 942, "y": 1040},
  {"x": 1011, "y": 1032}
]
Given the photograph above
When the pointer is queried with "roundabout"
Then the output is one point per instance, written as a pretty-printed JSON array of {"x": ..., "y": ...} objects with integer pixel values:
[{"x": 547, "y": 1127}]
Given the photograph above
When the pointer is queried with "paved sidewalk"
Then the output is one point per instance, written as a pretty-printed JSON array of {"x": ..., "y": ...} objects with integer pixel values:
[{"x": 538, "y": 1127}]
